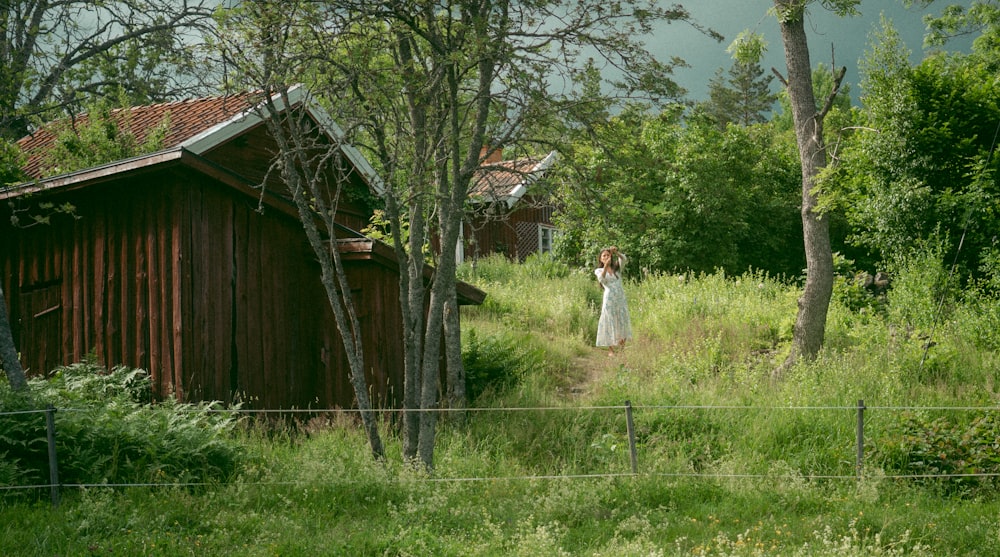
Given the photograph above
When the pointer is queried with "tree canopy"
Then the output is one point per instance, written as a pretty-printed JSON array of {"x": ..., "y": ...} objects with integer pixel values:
[
  {"x": 57, "y": 55},
  {"x": 682, "y": 196},
  {"x": 924, "y": 168}
]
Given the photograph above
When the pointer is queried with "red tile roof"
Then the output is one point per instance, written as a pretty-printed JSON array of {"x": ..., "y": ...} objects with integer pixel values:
[
  {"x": 500, "y": 180},
  {"x": 188, "y": 118}
]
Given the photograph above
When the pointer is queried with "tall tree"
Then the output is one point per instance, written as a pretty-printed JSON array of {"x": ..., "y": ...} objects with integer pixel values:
[
  {"x": 422, "y": 85},
  {"x": 743, "y": 96},
  {"x": 9, "y": 361},
  {"x": 927, "y": 167},
  {"x": 10, "y": 172},
  {"x": 258, "y": 45},
  {"x": 978, "y": 17},
  {"x": 710, "y": 198},
  {"x": 810, "y": 323},
  {"x": 57, "y": 54},
  {"x": 11, "y": 160}
]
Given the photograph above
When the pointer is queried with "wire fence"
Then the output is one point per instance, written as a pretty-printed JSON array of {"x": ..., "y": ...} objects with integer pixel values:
[{"x": 859, "y": 410}]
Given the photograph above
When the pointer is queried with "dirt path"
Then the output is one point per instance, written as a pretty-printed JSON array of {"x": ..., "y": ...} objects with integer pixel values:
[{"x": 590, "y": 370}]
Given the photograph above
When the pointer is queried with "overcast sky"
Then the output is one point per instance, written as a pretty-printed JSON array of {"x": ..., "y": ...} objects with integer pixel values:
[{"x": 848, "y": 36}]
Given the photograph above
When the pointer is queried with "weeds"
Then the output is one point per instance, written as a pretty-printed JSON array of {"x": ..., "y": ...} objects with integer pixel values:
[
  {"x": 107, "y": 432},
  {"x": 730, "y": 464}
]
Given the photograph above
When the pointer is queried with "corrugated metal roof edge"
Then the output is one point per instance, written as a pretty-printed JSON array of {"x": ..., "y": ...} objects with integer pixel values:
[{"x": 532, "y": 177}]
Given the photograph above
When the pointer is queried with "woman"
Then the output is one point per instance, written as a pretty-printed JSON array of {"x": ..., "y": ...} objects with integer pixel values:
[{"x": 615, "y": 326}]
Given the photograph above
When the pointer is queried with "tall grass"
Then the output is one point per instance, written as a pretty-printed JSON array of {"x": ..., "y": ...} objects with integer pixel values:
[{"x": 730, "y": 462}]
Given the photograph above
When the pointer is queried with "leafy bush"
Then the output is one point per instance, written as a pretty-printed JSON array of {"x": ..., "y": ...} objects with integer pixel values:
[
  {"x": 106, "y": 135},
  {"x": 492, "y": 268},
  {"x": 854, "y": 288},
  {"x": 544, "y": 265},
  {"x": 980, "y": 318},
  {"x": 11, "y": 163},
  {"x": 941, "y": 447},
  {"x": 495, "y": 363},
  {"x": 922, "y": 293},
  {"x": 107, "y": 431},
  {"x": 86, "y": 381}
]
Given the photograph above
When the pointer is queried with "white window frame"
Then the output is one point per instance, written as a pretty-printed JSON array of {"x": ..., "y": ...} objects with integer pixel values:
[
  {"x": 460, "y": 245},
  {"x": 545, "y": 230}
]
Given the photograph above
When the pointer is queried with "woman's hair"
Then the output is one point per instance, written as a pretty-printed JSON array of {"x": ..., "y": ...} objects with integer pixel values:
[{"x": 613, "y": 264}]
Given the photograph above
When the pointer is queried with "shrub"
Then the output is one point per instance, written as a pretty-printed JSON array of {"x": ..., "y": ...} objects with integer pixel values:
[
  {"x": 107, "y": 431},
  {"x": 939, "y": 446},
  {"x": 980, "y": 318},
  {"x": 922, "y": 294},
  {"x": 544, "y": 266},
  {"x": 856, "y": 289},
  {"x": 495, "y": 363}
]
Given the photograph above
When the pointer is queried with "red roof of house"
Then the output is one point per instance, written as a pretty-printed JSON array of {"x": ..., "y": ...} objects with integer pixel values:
[
  {"x": 499, "y": 179},
  {"x": 507, "y": 180},
  {"x": 188, "y": 118}
]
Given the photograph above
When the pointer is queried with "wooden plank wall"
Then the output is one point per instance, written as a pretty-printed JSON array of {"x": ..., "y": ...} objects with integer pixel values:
[
  {"x": 174, "y": 273},
  {"x": 501, "y": 236},
  {"x": 263, "y": 330},
  {"x": 112, "y": 265}
]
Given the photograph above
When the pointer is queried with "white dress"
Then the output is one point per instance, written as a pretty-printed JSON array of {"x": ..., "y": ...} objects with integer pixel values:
[{"x": 614, "y": 324}]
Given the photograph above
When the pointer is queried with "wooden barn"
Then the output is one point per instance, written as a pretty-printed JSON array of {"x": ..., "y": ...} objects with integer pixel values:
[
  {"x": 173, "y": 262},
  {"x": 505, "y": 215}
]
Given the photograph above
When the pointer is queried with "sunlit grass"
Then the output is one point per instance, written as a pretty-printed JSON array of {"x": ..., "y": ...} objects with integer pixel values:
[{"x": 731, "y": 463}]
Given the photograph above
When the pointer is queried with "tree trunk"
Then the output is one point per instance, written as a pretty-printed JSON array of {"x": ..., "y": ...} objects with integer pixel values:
[
  {"x": 430, "y": 374},
  {"x": 307, "y": 186},
  {"x": 810, "y": 324},
  {"x": 442, "y": 290},
  {"x": 453, "y": 353},
  {"x": 8, "y": 352},
  {"x": 412, "y": 294}
]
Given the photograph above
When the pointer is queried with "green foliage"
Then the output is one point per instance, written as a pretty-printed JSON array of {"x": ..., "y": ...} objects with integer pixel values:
[
  {"x": 822, "y": 82},
  {"x": 561, "y": 301},
  {"x": 493, "y": 364},
  {"x": 544, "y": 266},
  {"x": 742, "y": 97},
  {"x": 923, "y": 168},
  {"x": 980, "y": 315},
  {"x": 855, "y": 289},
  {"x": 107, "y": 431},
  {"x": 682, "y": 197},
  {"x": 925, "y": 446},
  {"x": 922, "y": 293},
  {"x": 11, "y": 162},
  {"x": 86, "y": 381},
  {"x": 979, "y": 17},
  {"x": 105, "y": 136},
  {"x": 730, "y": 463},
  {"x": 62, "y": 54},
  {"x": 748, "y": 48},
  {"x": 141, "y": 70}
]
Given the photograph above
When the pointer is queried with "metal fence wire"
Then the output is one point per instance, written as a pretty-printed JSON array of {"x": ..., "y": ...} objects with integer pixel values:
[{"x": 859, "y": 411}]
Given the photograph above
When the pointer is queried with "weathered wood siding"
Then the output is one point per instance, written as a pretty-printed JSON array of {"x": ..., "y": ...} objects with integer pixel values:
[
  {"x": 180, "y": 275},
  {"x": 251, "y": 156},
  {"x": 109, "y": 278},
  {"x": 515, "y": 235}
]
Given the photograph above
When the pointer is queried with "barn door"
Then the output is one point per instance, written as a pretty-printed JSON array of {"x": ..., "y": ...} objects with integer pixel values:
[{"x": 39, "y": 327}]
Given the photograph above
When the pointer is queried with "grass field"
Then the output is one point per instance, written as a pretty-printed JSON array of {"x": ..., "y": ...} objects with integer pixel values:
[{"x": 730, "y": 461}]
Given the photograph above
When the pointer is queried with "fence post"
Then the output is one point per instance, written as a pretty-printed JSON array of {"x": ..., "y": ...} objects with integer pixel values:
[
  {"x": 631, "y": 437},
  {"x": 50, "y": 427},
  {"x": 860, "y": 461}
]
